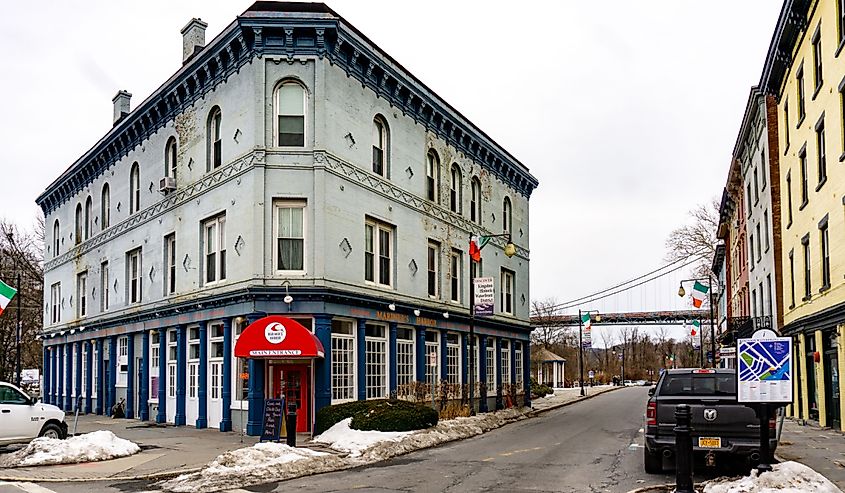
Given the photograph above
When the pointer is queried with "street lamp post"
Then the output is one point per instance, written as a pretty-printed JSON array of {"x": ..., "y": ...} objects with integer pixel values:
[
  {"x": 682, "y": 293},
  {"x": 510, "y": 251},
  {"x": 581, "y": 344}
]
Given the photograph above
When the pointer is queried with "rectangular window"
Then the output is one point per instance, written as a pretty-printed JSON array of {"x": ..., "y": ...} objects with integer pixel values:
[
  {"x": 756, "y": 188},
  {"x": 825, "y": 255},
  {"x": 155, "y": 361},
  {"x": 291, "y": 114},
  {"x": 762, "y": 295},
  {"x": 491, "y": 365},
  {"x": 818, "y": 76},
  {"x": 193, "y": 361},
  {"x": 820, "y": 153},
  {"x": 759, "y": 250},
  {"x": 764, "y": 171},
  {"x": 791, "y": 279},
  {"x": 170, "y": 264},
  {"x": 376, "y": 367},
  {"x": 172, "y": 353},
  {"x": 754, "y": 303},
  {"x": 216, "y": 383},
  {"x": 786, "y": 123},
  {"x": 84, "y": 368},
  {"x": 95, "y": 370},
  {"x": 789, "y": 199},
  {"x": 133, "y": 275},
  {"x": 766, "y": 227},
  {"x": 56, "y": 303},
  {"x": 104, "y": 286},
  {"x": 748, "y": 199},
  {"x": 432, "y": 358},
  {"x": 453, "y": 359},
  {"x": 799, "y": 83},
  {"x": 290, "y": 236},
  {"x": 433, "y": 269},
  {"x": 802, "y": 157},
  {"x": 343, "y": 361},
  {"x": 193, "y": 369},
  {"x": 214, "y": 248},
  {"x": 378, "y": 239},
  {"x": 506, "y": 362},
  {"x": 82, "y": 294},
  {"x": 507, "y": 288},
  {"x": 215, "y": 358},
  {"x": 751, "y": 257},
  {"x": 518, "y": 364},
  {"x": 404, "y": 359},
  {"x": 456, "y": 269},
  {"x": 805, "y": 243},
  {"x": 122, "y": 360},
  {"x": 241, "y": 373}
]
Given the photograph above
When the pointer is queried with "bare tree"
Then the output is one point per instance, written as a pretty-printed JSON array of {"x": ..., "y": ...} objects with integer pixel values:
[
  {"x": 697, "y": 237},
  {"x": 546, "y": 333}
]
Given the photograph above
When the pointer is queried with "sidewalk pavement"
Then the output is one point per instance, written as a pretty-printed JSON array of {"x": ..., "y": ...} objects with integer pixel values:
[
  {"x": 822, "y": 449},
  {"x": 168, "y": 450}
]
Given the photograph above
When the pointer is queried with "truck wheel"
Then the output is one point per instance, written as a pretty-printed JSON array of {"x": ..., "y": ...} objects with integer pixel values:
[
  {"x": 51, "y": 431},
  {"x": 652, "y": 462}
]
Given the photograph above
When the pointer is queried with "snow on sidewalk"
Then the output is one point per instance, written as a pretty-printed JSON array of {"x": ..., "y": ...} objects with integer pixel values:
[
  {"x": 342, "y": 438},
  {"x": 90, "y": 447},
  {"x": 787, "y": 477}
]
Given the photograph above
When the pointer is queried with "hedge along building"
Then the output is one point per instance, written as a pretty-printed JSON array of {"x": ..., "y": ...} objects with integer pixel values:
[{"x": 289, "y": 167}]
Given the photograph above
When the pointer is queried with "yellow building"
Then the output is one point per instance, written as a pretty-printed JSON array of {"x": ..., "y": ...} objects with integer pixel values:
[{"x": 805, "y": 70}]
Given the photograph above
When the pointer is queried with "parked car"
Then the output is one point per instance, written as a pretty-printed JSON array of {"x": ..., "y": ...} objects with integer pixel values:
[
  {"x": 628, "y": 383},
  {"x": 722, "y": 428},
  {"x": 23, "y": 418}
]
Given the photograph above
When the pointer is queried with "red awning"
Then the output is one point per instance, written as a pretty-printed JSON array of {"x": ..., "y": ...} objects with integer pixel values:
[{"x": 278, "y": 337}]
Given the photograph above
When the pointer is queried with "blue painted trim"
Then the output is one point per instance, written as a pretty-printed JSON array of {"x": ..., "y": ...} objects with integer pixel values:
[
  {"x": 255, "y": 397},
  {"x": 392, "y": 370},
  {"x": 60, "y": 360},
  {"x": 482, "y": 374},
  {"x": 130, "y": 376},
  {"x": 464, "y": 358},
  {"x": 101, "y": 392},
  {"x": 111, "y": 391},
  {"x": 323, "y": 368},
  {"x": 500, "y": 404},
  {"x": 46, "y": 384},
  {"x": 181, "y": 376},
  {"x": 226, "y": 422},
  {"x": 361, "y": 367},
  {"x": 420, "y": 356},
  {"x": 144, "y": 391},
  {"x": 69, "y": 377},
  {"x": 78, "y": 377},
  {"x": 526, "y": 372},
  {"x": 444, "y": 370},
  {"x": 89, "y": 376},
  {"x": 161, "y": 416},
  {"x": 202, "y": 393}
]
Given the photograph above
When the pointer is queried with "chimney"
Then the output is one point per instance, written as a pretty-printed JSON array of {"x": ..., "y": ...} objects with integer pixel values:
[
  {"x": 121, "y": 105},
  {"x": 193, "y": 38}
]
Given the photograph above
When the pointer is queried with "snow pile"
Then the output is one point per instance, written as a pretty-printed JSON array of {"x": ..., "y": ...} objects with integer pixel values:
[
  {"x": 261, "y": 463},
  {"x": 342, "y": 438},
  {"x": 787, "y": 477},
  {"x": 90, "y": 447}
]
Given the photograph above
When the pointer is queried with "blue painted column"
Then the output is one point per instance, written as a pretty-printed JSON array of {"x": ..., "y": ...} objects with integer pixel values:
[
  {"x": 391, "y": 345},
  {"x": 144, "y": 391},
  {"x": 89, "y": 375},
  {"x": 226, "y": 422},
  {"x": 130, "y": 376},
  {"x": 51, "y": 388},
  {"x": 181, "y": 376},
  {"x": 420, "y": 356},
  {"x": 60, "y": 364},
  {"x": 526, "y": 371},
  {"x": 444, "y": 371},
  {"x": 68, "y": 363},
  {"x": 323, "y": 369},
  {"x": 361, "y": 349},
  {"x": 255, "y": 396},
  {"x": 111, "y": 390},
  {"x": 78, "y": 376},
  {"x": 498, "y": 362},
  {"x": 202, "y": 394},
  {"x": 161, "y": 417},
  {"x": 45, "y": 385},
  {"x": 101, "y": 392},
  {"x": 482, "y": 374}
]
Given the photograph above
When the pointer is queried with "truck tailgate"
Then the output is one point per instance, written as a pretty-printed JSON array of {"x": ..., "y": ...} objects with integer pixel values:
[{"x": 729, "y": 419}]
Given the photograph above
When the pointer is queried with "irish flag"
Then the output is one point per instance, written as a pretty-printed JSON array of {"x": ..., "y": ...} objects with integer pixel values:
[
  {"x": 587, "y": 332},
  {"x": 6, "y": 294},
  {"x": 699, "y": 291},
  {"x": 476, "y": 243},
  {"x": 696, "y": 326}
]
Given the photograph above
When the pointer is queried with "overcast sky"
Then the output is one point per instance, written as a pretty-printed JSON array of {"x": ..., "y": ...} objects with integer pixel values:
[{"x": 626, "y": 111}]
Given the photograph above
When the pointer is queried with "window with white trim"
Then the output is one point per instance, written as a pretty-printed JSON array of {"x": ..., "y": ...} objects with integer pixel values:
[
  {"x": 381, "y": 141},
  {"x": 89, "y": 218},
  {"x": 77, "y": 222},
  {"x": 104, "y": 286},
  {"x": 290, "y": 235},
  {"x": 290, "y": 102},
  {"x": 491, "y": 365},
  {"x": 95, "y": 369},
  {"x": 170, "y": 158},
  {"x": 155, "y": 361},
  {"x": 506, "y": 361},
  {"x": 432, "y": 358},
  {"x": 404, "y": 356},
  {"x": 172, "y": 356},
  {"x": 506, "y": 288},
  {"x": 456, "y": 195},
  {"x": 193, "y": 361},
  {"x": 456, "y": 275},
  {"x": 215, "y": 360},
  {"x": 134, "y": 276},
  {"x": 170, "y": 264},
  {"x": 507, "y": 215},
  {"x": 378, "y": 253},
  {"x": 475, "y": 201},
  {"x": 56, "y": 303},
  {"x": 72, "y": 371},
  {"x": 134, "y": 189},
  {"x": 241, "y": 369},
  {"x": 376, "y": 361},
  {"x": 433, "y": 269},
  {"x": 214, "y": 145},
  {"x": 82, "y": 294},
  {"x": 432, "y": 177},
  {"x": 105, "y": 207},
  {"x": 214, "y": 249},
  {"x": 122, "y": 361},
  {"x": 84, "y": 368},
  {"x": 518, "y": 364},
  {"x": 56, "y": 238},
  {"x": 453, "y": 359},
  {"x": 343, "y": 361}
]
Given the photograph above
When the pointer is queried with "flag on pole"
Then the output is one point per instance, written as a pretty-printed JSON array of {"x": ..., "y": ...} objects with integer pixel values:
[
  {"x": 6, "y": 294},
  {"x": 476, "y": 243},
  {"x": 696, "y": 326},
  {"x": 698, "y": 292},
  {"x": 587, "y": 332}
]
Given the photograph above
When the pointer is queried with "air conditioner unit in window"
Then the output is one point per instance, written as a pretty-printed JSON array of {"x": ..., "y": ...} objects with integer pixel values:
[{"x": 167, "y": 184}]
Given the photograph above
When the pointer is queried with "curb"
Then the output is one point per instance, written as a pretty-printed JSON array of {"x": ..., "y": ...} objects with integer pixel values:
[{"x": 537, "y": 412}]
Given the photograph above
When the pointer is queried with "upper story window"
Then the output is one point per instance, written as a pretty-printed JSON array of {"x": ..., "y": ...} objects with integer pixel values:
[
  {"x": 455, "y": 191},
  {"x": 290, "y": 114},
  {"x": 290, "y": 236},
  {"x": 802, "y": 158},
  {"x": 133, "y": 275},
  {"x": 507, "y": 215},
  {"x": 77, "y": 223},
  {"x": 378, "y": 253},
  {"x": 56, "y": 238},
  {"x": 170, "y": 264},
  {"x": 170, "y": 158},
  {"x": 214, "y": 248},
  {"x": 432, "y": 177},
  {"x": 134, "y": 189},
  {"x": 799, "y": 83},
  {"x": 786, "y": 122},
  {"x": 381, "y": 142},
  {"x": 507, "y": 290},
  {"x": 433, "y": 269},
  {"x": 214, "y": 142},
  {"x": 820, "y": 153},
  {"x": 105, "y": 207},
  {"x": 89, "y": 217},
  {"x": 56, "y": 303},
  {"x": 840, "y": 17},
  {"x": 81, "y": 294},
  {"x": 475, "y": 201},
  {"x": 818, "y": 77}
]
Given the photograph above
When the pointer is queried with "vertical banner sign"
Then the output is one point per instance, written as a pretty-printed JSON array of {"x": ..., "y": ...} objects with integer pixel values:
[
  {"x": 764, "y": 370},
  {"x": 586, "y": 331},
  {"x": 484, "y": 296}
]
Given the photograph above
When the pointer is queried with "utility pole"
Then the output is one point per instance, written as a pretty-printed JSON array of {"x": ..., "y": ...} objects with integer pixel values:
[{"x": 18, "y": 335}]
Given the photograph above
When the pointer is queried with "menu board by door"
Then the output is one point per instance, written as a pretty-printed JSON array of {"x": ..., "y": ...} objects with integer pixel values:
[{"x": 273, "y": 423}]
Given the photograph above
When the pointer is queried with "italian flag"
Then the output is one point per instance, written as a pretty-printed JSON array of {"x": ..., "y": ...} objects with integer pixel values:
[
  {"x": 476, "y": 243},
  {"x": 6, "y": 294},
  {"x": 588, "y": 322},
  {"x": 699, "y": 291},
  {"x": 696, "y": 326}
]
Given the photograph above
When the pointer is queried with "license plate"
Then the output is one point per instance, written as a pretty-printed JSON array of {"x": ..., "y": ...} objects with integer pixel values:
[{"x": 707, "y": 442}]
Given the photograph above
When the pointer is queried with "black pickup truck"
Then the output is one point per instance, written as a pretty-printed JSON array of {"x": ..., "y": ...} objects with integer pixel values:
[{"x": 722, "y": 428}]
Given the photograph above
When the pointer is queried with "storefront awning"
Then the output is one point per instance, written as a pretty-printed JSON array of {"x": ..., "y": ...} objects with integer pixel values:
[{"x": 278, "y": 337}]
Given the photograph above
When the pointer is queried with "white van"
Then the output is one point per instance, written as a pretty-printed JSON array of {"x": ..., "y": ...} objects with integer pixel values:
[{"x": 23, "y": 418}]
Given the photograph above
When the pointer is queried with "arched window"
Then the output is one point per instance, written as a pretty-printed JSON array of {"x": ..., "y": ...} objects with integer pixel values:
[
  {"x": 507, "y": 216},
  {"x": 170, "y": 158},
  {"x": 432, "y": 174},
  {"x": 381, "y": 142},
  {"x": 105, "y": 207},
  {"x": 56, "y": 238},
  {"x": 213, "y": 137},
  {"x": 77, "y": 223},
  {"x": 290, "y": 114},
  {"x": 89, "y": 218},
  {"x": 455, "y": 192},
  {"x": 134, "y": 189},
  {"x": 475, "y": 201}
]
